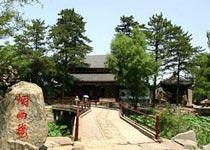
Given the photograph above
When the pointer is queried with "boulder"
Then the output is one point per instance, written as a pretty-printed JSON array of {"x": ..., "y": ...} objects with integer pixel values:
[
  {"x": 52, "y": 142},
  {"x": 187, "y": 144},
  {"x": 22, "y": 115},
  {"x": 189, "y": 135},
  {"x": 206, "y": 147},
  {"x": 187, "y": 140},
  {"x": 19, "y": 145}
]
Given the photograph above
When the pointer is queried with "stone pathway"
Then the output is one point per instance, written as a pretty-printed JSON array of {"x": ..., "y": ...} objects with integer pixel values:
[{"x": 102, "y": 129}]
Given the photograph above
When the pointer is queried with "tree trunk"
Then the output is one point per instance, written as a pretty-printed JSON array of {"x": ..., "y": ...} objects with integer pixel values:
[
  {"x": 177, "y": 83},
  {"x": 177, "y": 90},
  {"x": 154, "y": 90},
  {"x": 155, "y": 76},
  {"x": 64, "y": 76}
]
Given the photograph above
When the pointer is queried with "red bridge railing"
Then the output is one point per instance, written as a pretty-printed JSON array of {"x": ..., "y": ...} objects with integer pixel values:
[
  {"x": 80, "y": 107},
  {"x": 125, "y": 110}
]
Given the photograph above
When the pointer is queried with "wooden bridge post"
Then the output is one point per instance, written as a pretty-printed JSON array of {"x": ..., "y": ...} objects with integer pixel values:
[
  {"x": 157, "y": 127},
  {"x": 76, "y": 136}
]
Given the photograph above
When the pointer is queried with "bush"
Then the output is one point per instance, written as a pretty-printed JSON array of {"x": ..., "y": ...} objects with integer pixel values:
[
  {"x": 58, "y": 130},
  {"x": 171, "y": 124},
  {"x": 144, "y": 120}
]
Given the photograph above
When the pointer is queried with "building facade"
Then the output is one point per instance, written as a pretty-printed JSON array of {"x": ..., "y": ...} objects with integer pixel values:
[{"x": 95, "y": 80}]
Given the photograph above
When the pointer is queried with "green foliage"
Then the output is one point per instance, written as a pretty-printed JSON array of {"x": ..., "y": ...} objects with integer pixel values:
[
  {"x": 9, "y": 56},
  {"x": 31, "y": 43},
  {"x": 179, "y": 55},
  {"x": 144, "y": 120},
  {"x": 157, "y": 35},
  {"x": 201, "y": 73},
  {"x": 33, "y": 38},
  {"x": 69, "y": 43},
  {"x": 171, "y": 124},
  {"x": 130, "y": 63},
  {"x": 208, "y": 36},
  {"x": 127, "y": 25},
  {"x": 58, "y": 130},
  {"x": 10, "y": 18},
  {"x": 69, "y": 39}
]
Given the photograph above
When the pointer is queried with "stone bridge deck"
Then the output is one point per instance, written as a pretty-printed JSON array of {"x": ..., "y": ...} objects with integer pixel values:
[{"x": 102, "y": 129}]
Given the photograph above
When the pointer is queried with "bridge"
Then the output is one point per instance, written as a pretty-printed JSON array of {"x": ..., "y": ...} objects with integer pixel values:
[{"x": 101, "y": 128}]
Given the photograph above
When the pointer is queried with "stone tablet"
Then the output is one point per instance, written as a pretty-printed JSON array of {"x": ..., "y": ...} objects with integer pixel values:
[{"x": 22, "y": 115}]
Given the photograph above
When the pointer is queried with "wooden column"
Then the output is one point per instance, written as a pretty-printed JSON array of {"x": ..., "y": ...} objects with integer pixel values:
[{"x": 157, "y": 127}]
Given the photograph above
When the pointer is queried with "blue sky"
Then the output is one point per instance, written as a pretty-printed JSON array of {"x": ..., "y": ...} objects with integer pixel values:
[{"x": 102, "y": 16}]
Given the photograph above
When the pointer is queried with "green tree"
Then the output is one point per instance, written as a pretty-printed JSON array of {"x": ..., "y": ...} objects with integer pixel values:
[
  {"x": 201, "y": 74},
  {"x": 10, "y": 18},
  {"x": 11, "y": 61},
  {"x": 179, "y": 56},
  {"x": 32, "y": 44},
  {"x": 158, "y": 31},
  {"x": 130, "y": 63},
  {"x": 208, "y": 36},
  {"x": 69, "y": 42},
  {"x": 127, "y": 25}
]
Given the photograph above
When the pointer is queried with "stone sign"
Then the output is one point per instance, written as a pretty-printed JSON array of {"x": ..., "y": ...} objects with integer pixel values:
[{"x": 22, "y": 115}]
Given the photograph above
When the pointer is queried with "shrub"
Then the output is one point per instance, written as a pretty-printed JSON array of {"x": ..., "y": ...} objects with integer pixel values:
[
  {"x": 171, "y": 124},
  {"x": 58, "y": 130}
]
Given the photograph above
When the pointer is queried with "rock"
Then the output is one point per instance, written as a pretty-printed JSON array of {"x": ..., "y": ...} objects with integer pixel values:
[
  {"x": 187, "y": 144},
  {"x": 189, "y": 135},
  {"x": 57, "y": 141},
  {"x": 22, "y": 115},
  {"x": 206, "y": 147},
  {"x": 61, "y": 148},
  {"x": 19, "y": 145},
  {"x": 187, "y": 140}
]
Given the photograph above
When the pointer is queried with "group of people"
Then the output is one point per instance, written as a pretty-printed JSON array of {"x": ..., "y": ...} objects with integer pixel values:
[{"x": 85, "y": 98}]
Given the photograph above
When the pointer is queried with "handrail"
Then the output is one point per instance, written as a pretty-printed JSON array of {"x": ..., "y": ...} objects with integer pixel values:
[
  {"x": 83, "y": 105},
  {"x": 155, "y": 118}
]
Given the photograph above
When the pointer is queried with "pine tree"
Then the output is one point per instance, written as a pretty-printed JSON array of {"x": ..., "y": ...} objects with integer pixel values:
[
  {"x": 127, "y": 25},
  {"x": 201, "y": 75},
  {"x": 180, "y": 52},
  {"x": 157, "y": 33},
  {"x": 208, "y": 36},
  {"x": 69, "y": 42}
]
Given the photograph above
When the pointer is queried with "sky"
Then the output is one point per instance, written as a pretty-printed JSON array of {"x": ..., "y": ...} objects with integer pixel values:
[{"x": 102, "y": 16}]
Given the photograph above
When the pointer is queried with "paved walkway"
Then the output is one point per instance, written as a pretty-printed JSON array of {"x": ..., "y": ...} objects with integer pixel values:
[{"x": 102, "y": 129}]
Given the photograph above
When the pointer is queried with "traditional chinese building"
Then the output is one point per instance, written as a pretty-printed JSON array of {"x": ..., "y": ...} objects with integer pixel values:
[
  {"x": 168, "y": 88},
  {"x": 95, "y": 80}
]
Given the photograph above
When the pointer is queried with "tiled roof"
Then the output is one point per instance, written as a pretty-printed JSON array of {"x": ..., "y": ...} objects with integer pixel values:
[
  {"x": 95, "y": 61},
  {"x": 94, "y": 77}
]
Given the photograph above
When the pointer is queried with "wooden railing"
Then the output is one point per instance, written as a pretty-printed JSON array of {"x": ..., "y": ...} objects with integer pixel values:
[
  {"x": 126, "y": 111},
  {"x": 80, "y": 107}
]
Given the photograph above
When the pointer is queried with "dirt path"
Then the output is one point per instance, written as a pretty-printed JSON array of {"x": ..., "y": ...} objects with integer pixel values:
[{"x": 102, "y": 129}]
